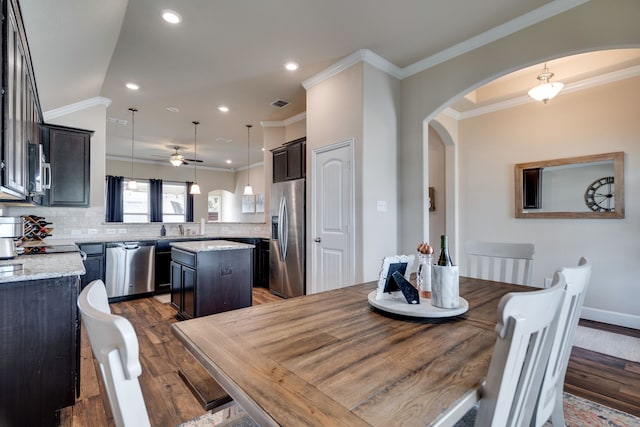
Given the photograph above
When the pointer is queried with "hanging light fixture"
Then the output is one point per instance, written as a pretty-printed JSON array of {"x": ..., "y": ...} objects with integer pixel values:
[
  {"x": 176, "y": 159},
  {"x": 545, "y": 90},
  {"x": 248, "y": 190},
  {"x": 195, "y": 188},
  {"x": 132, "y": 185}
]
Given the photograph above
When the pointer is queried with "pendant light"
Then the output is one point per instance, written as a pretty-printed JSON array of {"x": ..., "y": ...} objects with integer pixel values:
[
  {"x": 545, "y": 90},
  {"x": 195, "y": 188},
  {"x": 248, "y": 190},
  {"x": 132, "y": 185}
]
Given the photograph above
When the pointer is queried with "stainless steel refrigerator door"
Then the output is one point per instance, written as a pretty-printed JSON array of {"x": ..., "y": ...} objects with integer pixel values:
[{"x": 287, "y": 254}]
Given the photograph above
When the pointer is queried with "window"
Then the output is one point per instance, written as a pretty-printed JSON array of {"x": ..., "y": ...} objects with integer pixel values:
[
  {"x": 135, "y": 203},
  {"x": 174, "y": 200}
]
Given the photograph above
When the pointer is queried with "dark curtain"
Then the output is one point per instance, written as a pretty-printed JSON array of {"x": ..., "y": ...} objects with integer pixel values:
[
  {"x": 155, "y": 202},
  {"x": 113, "y": 199},
  {"x": 189, "y": 211}
]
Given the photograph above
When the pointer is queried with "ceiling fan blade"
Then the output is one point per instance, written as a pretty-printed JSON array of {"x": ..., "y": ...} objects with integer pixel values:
[{"x": 194, "y": 160}]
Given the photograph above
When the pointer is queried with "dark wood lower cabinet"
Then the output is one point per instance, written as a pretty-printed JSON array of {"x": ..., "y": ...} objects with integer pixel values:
[
  {"x": 39, "y": 350},
  {"x": 209, "y": 282},
  {"x": 94, "y": 264}
]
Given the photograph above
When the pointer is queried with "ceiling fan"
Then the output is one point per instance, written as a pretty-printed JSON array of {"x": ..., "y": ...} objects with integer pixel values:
[{"x": 178, "y": 159}]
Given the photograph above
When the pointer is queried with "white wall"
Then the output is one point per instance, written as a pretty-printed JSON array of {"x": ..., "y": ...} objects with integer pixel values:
[
  {"x": 379, "y": 169},
  {"x": 335, "y": 114},
  {"x": 598, "y": 120},
  {"x": 591, "y": 26},
  {"x": 437, "y": 218}
]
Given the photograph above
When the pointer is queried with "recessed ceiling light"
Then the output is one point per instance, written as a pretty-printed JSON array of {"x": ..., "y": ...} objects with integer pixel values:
[
  {"x": 171, "y": 17},
  {"x": 132, "y": 86},
  {"x": 291, "y": 66},
  {"x": 173, "y": 109},
  {"x": 229, "y": 162},
  {"x": 223, "y": 108}
]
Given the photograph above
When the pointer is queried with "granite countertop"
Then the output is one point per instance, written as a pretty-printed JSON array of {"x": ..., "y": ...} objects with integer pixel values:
[
  {"x": 142, "y": 238},
  {"x": 210, "y": 245},
  {"x": 35, "y": 267}
]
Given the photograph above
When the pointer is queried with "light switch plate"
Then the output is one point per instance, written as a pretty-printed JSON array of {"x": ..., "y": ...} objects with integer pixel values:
[{"x": 382, "y": 205}]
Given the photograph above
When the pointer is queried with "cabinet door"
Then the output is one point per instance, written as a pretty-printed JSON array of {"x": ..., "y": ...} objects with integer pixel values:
[
  {"x": 188, "y": 292},
  {"x": 94, "y": 265},
  {"x": 14, "y": 156},
  {"x": 294, "y": 161},
  {"x": 279, "y": 166},
  {"x": 68, "y": 152},
  {"x": 233, "y": 285},
  {"x": 176, "y": 286},
  {"x": 38, "y": 373}
]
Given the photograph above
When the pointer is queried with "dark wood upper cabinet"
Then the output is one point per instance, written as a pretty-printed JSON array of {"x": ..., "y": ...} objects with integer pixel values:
[
  {"x": 21, "y": 112},
  {"x": 68, "y": 151},
  {"x": 289, "y": 161}
]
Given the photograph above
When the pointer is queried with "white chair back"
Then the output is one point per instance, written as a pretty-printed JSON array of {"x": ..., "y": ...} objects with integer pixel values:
[
  {"x": 504, "y": 262},
  {"x": 575, "y": 280},
  {"x": 526, "y": 327},
  {"x": 115, "y": 345}
]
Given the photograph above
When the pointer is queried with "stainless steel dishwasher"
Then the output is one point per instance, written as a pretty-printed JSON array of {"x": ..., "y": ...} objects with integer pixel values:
[{"x": 130, "y": 269}]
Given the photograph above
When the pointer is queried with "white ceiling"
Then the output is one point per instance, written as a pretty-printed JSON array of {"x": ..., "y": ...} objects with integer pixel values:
[{"x": 232, "y": 53}]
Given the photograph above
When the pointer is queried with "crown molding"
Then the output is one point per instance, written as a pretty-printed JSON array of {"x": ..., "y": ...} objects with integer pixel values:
[
  {"x": 362, "y": 55},
  {"x": 286, "y": 122},
  {"x": 75, "y": 107},
  {"x": 165, "y": 163},
  {"x": 294, "y": 119},
  {"x": 365, "y": 55},
  {"x": 588, "y": 83},
  {"x": 535, "y": 16}
]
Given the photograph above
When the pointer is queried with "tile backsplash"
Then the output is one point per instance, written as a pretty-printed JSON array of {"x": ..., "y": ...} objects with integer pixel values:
[{"x": 88, "y": 224}]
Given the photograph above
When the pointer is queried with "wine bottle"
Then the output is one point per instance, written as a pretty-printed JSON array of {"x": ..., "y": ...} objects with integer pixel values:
[{"x": 444, "y": 259}]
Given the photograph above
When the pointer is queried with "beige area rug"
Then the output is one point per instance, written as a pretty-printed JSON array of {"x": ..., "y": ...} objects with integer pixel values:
[
  {"x": 164, "y": 298},
  {"x": 616, "y": 345},
  {"x": 578, "y": 412}
]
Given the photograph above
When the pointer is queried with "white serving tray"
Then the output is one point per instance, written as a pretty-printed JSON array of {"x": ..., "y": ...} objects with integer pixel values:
[{"x": 396, "y": 303}]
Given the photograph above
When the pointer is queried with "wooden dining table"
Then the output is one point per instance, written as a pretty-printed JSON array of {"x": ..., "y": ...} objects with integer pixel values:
[{"x": 331, "y": 359}]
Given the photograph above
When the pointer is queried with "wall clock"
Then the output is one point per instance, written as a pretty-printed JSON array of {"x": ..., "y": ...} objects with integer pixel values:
[{"x": 600, "y": 195}]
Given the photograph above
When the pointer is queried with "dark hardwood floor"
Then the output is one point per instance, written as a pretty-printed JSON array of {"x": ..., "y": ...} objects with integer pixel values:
[{"x": 604, "y": 379}]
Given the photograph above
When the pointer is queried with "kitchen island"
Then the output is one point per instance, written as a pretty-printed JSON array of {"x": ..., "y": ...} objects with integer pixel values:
[
  {"x": 210, "y": 276},
  {"x": 39, "y": 337}
]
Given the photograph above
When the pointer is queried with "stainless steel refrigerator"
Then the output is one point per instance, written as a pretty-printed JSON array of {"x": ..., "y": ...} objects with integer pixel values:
[{"x": 287, "y": 247}]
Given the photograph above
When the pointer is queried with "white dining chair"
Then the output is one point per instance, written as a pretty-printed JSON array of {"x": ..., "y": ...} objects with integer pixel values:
[
  {"x": 526, "y": 327},
  {"x": 504, "y": 262},
  {"x": 575, "y": 281},
  {"x": 115, "y": 346}
]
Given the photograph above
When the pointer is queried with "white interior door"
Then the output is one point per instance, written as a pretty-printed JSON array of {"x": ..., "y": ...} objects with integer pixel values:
[{"x": 332, "y": 231}]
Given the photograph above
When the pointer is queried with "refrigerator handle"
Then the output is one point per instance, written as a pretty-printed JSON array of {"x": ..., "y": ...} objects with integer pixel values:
[{"x": 282, "y": 211}]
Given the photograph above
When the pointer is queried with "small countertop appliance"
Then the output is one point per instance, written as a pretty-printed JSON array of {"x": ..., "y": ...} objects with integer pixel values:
[{"x": 11, "y": 228}]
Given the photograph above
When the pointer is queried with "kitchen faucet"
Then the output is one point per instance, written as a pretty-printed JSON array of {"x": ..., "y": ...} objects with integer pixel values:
[{"x": 181, "y": 228}]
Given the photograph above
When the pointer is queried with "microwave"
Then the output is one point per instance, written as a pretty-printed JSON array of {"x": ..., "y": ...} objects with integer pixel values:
[{"x": 39, "y": 171}]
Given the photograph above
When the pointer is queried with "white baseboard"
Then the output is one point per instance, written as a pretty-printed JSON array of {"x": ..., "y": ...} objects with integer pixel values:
[{"x": 611, "y": 317}]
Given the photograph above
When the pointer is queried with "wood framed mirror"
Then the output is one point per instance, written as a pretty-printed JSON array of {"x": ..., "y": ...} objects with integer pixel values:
[{"x": 575, "y": 187}]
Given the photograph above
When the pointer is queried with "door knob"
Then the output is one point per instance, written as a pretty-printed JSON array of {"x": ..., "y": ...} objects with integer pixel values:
[{"x": 317, "y": 240}]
